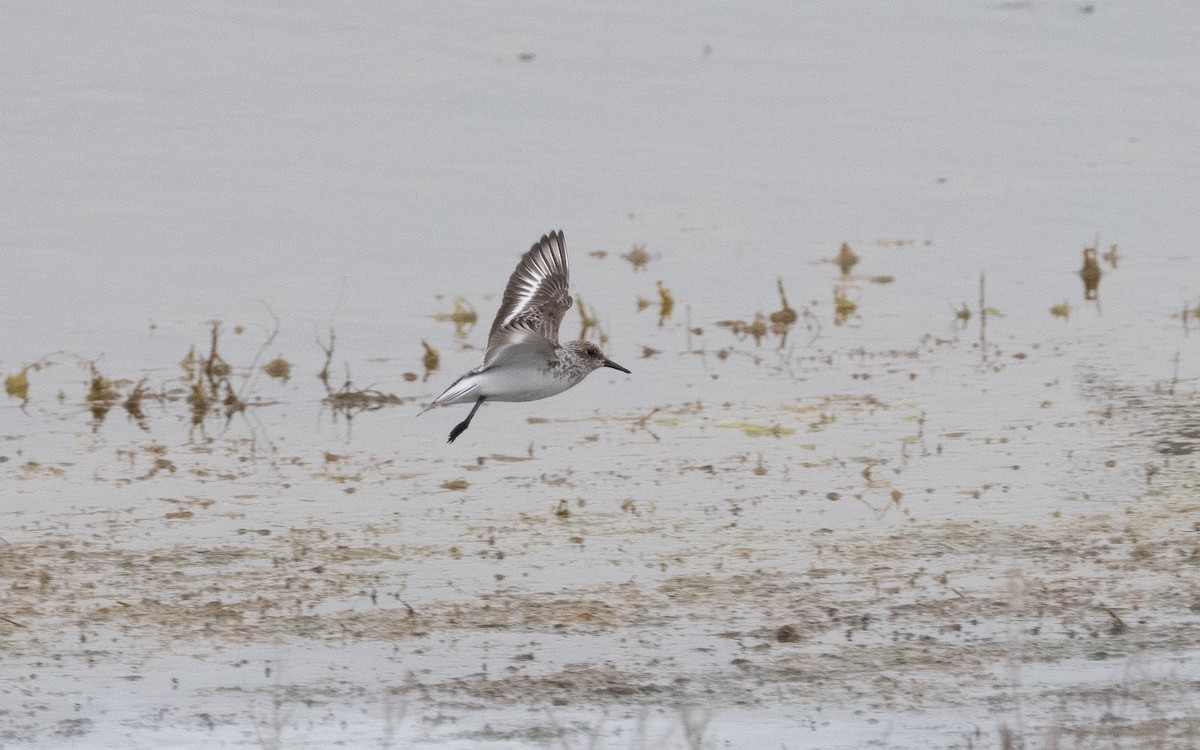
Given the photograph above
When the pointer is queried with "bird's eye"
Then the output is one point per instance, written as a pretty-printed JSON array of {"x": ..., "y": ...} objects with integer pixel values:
[{"x": 591, "y": 351}]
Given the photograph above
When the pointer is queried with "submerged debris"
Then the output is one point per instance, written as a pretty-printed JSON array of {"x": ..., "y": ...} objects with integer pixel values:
[
  {"x": 758, "y": 329},
  {"x": 215, "y": 368},
  {"x": 1062, "y": 310},
  {"x": 432, "y": 360},
  {"x": 206, "y": 382},
  {"x": 785, "y": 316},
  {"x": 188, "y": 363},
  {"x": 737, "y": 326},
  {"x": 100, "y": 388},
  {"x": 133, "y": 402},
  {"x": 278, "y": 368},
  {"x": 209, "y": 376},
  {"x": 757, "y": 430},
  {"x": 1111, "y": 256},
  {"x": 1186, "y": 313},
  {"x": 778, "y": 322},
  {"x": 349, "y": 400},
  {"x": 637, "y": 257},
  {"x": 588, "y": 320},
  {"x": 1090, "y": 272},
  {"x": 846, "y": 259},
  {"x": 198, "y": 400},
  {"x": 101, "y": 395},
  {"x": 843, "y": 306},
  {"x": 463, "y": 316},
  {"x": 17, "y": 385},
  {"x": 666, "y": 303}
]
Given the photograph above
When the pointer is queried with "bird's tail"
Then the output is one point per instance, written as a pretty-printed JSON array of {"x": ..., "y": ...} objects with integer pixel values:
[{"x": 460, "y": 391}]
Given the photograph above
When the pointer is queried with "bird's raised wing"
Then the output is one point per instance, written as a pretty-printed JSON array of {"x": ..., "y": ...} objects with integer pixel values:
[{"x": 536, "y": 298}]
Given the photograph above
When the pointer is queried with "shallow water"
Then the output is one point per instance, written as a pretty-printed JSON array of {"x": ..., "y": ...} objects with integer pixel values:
[{"x": 890, "y": 527}]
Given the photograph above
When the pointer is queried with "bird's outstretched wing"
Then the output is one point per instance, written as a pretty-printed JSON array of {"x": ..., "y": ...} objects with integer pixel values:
[{"x": 536, "y": 298}]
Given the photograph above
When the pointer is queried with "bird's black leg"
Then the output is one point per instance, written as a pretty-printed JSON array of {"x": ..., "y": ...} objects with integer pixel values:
[{"x": 462, "y": 426}]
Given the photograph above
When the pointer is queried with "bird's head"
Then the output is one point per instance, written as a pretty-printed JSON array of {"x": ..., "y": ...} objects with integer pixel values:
[{"x": 591, "y": 355}]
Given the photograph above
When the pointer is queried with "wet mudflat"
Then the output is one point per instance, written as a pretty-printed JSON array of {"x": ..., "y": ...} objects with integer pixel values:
[
  {"x": 840, "y": 570},
  {"x": 907, "y": 457}
]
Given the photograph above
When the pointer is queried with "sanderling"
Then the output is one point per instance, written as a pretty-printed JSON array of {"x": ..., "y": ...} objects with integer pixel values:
[{"x": 523, "y": 360}]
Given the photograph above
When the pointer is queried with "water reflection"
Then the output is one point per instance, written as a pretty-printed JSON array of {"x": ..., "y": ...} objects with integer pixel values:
[
  {"x": 1184, "y": 439},
  {"x": 1111, "y": 256},
  {"x": 101, "y": 397},
  {"x": 843, "y": 307},
  {"x": 133, "y": 405},
  {"x": 785, "y": 317}
]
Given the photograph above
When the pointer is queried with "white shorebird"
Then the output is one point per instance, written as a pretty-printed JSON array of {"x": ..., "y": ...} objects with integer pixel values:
[{"x": 523, "y": 360}]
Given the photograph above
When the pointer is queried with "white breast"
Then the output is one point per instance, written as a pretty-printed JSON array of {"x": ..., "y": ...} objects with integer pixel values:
[{"x": 520, "y": 384}]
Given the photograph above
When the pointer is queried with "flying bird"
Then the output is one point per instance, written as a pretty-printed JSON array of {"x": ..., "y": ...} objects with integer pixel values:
[{"x": 523, "y": 360}]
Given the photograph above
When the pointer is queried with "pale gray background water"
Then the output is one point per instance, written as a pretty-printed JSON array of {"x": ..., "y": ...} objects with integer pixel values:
[{"x": 172, "y": 162}]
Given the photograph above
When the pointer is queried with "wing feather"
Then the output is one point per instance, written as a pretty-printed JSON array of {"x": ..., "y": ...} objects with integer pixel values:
[{"x": 536, "y": 298}]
